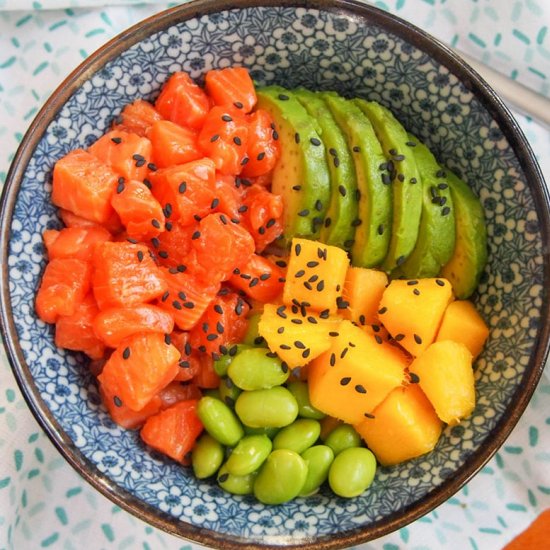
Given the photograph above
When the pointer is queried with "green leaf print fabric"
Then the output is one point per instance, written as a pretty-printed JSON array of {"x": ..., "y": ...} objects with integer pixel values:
[{"x": 43, "y": 501}]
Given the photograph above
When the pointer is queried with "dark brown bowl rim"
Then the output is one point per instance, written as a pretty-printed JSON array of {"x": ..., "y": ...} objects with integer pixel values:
[{"x": 443, "y": 55}]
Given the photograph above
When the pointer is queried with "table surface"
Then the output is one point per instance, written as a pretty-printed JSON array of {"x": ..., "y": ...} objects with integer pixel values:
[{"x": 43, "y": 502}]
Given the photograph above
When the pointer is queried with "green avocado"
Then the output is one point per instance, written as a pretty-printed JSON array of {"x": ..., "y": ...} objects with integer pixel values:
[
  {"x": 338, "y": 228},
  {"x": 469, "y": 257},
  {"x": 372, "y": 234},
  {"x": 405, "y": 182},
  {"x": 436, "y": 235},
  {"x": 301, "y": 175}
]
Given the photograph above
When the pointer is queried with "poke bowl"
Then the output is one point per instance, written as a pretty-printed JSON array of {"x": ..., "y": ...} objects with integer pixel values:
[{"x": 338, "y": 46}]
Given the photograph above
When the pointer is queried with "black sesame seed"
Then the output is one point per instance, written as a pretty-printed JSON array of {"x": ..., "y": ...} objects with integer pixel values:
[
  {"x": 400, "y": 260},
  {"x": 120, "y": 187},
  {"x": 152, "y": 166},
  {"x": 227, "y": 118},
  {"x": 275, "y": 135},
  {"x": 308, "y": 285},
  {"x": 357, "y": 222},
  {"x": 413, "y": 180},
  {"x": 126, "y": 353},
  {"x": 344, "y": 352},
  {"x": 298, "y": 249},
  {"x": 328, "y": 221},
  {"x": 318, "y": 205},
  {"x": 412, "y": 282},
  {"x": 312, "y": 263},
  {"x": 341, "y": 303},
  {"x": 214, "y": 203},
  {"x": 417, "y": 339},
  {"x": 410, "y": 143},
  {"x": 237, "y": 140},
  {"x": 356, "y": 149},
  {"x": 116, "y": 140},
  {"x": 305, "y": 353},
  {"x": 303, "y": 213},
  {"x": 320, "y": 286},
  {"x": 283, "y": 97},
  {"x": 416, "y": 292},
  {"x": 360, "y": 389},
  {"x": 342, "y": 190},
  {"x": 253, "y": 282},
  {"x": 163, "y": 254},
  {"x": 188, "y": 305},
  {"x": 168, "y": 226},
  {"x": 285, "y": 346},
  {"x": 414, "y": 378},
  {"x": 381, "y": 229},
  {"x": 140, "y": 255},
  {"x": 223, "y": 478},
  {"x": 280, "y": 330},
  {"x": 369, "y": 415},
  {"x": 155, "y": 223},
  {"x": 439, "y": 282},
  {"x": 243, "y": 162},
  {"x": 378, "y": 339},
  {"x": 349, "y": 243},
  {"x": 296, "y": 187},
  {"x": 299, "y": 273},
  {"x": 261, "y": 230},
  {"x": 334, "y": 334},
  {"x": 167, "y": 210},
  {"x": 260, "y": 156},
  {"x": 265, "y": 276},
  {"x": 116, "y": 399},
  {"x": 392, "y": 152},
  {"x": 332, "y": 360},
  {"x": 345, "y": 380},
  {"x": 445, "y": 211},
  {"x": 399, "y": 337},
  {"x": 297, "y": 137},
  {"x": 164, "y": 297},
  {"x": 399, "y": 158},
  {"x": 382, "y": 310},
  {"x": 176, "y": 304},
  {"x": 238, "y": 104},
  {"x": 196, "y": 235},
  {"x": 315, "y": 141}
]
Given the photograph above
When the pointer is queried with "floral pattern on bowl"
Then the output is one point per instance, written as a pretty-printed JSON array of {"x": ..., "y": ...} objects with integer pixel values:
[{"x": 358, "y": 51}]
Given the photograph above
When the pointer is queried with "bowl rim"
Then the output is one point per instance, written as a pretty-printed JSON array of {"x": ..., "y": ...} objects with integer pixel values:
[{"x": 194, "y": 9}]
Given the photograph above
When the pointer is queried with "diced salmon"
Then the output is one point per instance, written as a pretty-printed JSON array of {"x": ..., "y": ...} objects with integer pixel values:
[
  {"x": 75, "y": 331},
  {"x": 115, "y": 324},
  {"x": 173, "y": 431},
  {"x": 127, "y": 154},
  {"x": 231, "y": 86},
  {"x": 65, "y": 283},
  {"x": 137, "y": 118},
  {"x": 139, "y": 368},
  {"x": 84, "y": 185},
  {"x": 74, "y": 242},
  {"x": 125, "y": 274},
  {"x": 139, "y": 211},
  {"x": 173, "y": 144}
]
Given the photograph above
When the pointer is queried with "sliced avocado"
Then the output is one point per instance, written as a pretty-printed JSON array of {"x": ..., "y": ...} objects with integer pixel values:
[
  {"x": 339, "y": 225},
  {"x": 468, "y": 261},
  {"x": 301, "y": 174},
  {"x": 405, "y": 179},
  {"x": 372, "y": 235},
  {"x": 436, "y": 236}
]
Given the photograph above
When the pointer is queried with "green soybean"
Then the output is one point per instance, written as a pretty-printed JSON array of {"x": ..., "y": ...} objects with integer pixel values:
[
  {"x": 318, "y": 459},
  {"x": 222, "y": 363},
  {"x": 207, "y": 456},
  {"x": 281, "y": 477},
  {"x": 300, "y": 392},
  {"x": 219, "y": 421},
  {"x": 237, "y": 485},
  {"x": 270, "y": 432},
  {"x": 228, "y": 391},
  {"x": 257, "y": 369},
  {"x": 298, "y": 436},
  {"x": 343, "y": 437},
  {"x": 248, "y": 455},
  {"x": 252, "y": 336},
  {"x": 271, "y": 408},
  {"x": 352, "y": 471}
]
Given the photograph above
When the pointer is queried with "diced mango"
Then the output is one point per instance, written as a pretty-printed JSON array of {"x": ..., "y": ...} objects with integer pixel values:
[
  {"x": 316, "y": 274},
  {"x": 402, "y": 427},
  {"x": 412, "y": 311},
  {"x": 363, "y": 291},
  {"x": 446, "y": 377},
  {"x": 294, "y": 337},
  {"x": 462, "y": 323},
  {"x": 355, "y": 374}
]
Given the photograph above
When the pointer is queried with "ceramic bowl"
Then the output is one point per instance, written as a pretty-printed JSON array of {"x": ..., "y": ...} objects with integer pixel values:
[{"x": 336, "y": 45}]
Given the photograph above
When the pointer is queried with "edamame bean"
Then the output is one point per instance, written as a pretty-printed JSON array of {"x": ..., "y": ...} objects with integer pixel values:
[
  {"x": 318, "y": 459},
  {"x": 352, "y": 471},
  {"x": 237, "y": 485},
  {"x": 343, "y": 437},
  {"x": 252, "y": 336},
  {"x": 207, "y": 456},
  {"x": 271, "y": 408},
  {"x": 228, "y": 391},
  {"x": 281, "y": 477},
  {"x": 219, "y": 421},
  {"x": 256, "y": 369},
  {"x": 298, "y": 436},
  {"x": 300, "y": 392},
  {"x": 222, "y": 363},
  {"x": 248, "y": 455},
  {"x": 270, "y": 432}
]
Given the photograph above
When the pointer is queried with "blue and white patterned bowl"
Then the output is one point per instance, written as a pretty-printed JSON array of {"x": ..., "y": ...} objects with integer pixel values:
[{"x": 359, "y": 51}]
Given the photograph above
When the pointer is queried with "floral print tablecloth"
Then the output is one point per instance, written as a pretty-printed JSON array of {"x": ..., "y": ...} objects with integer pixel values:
[{"x": 43, "y": 502}]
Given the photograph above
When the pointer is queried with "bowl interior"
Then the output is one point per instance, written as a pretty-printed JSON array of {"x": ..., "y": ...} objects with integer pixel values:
[{"x": 357, "y": 51}]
